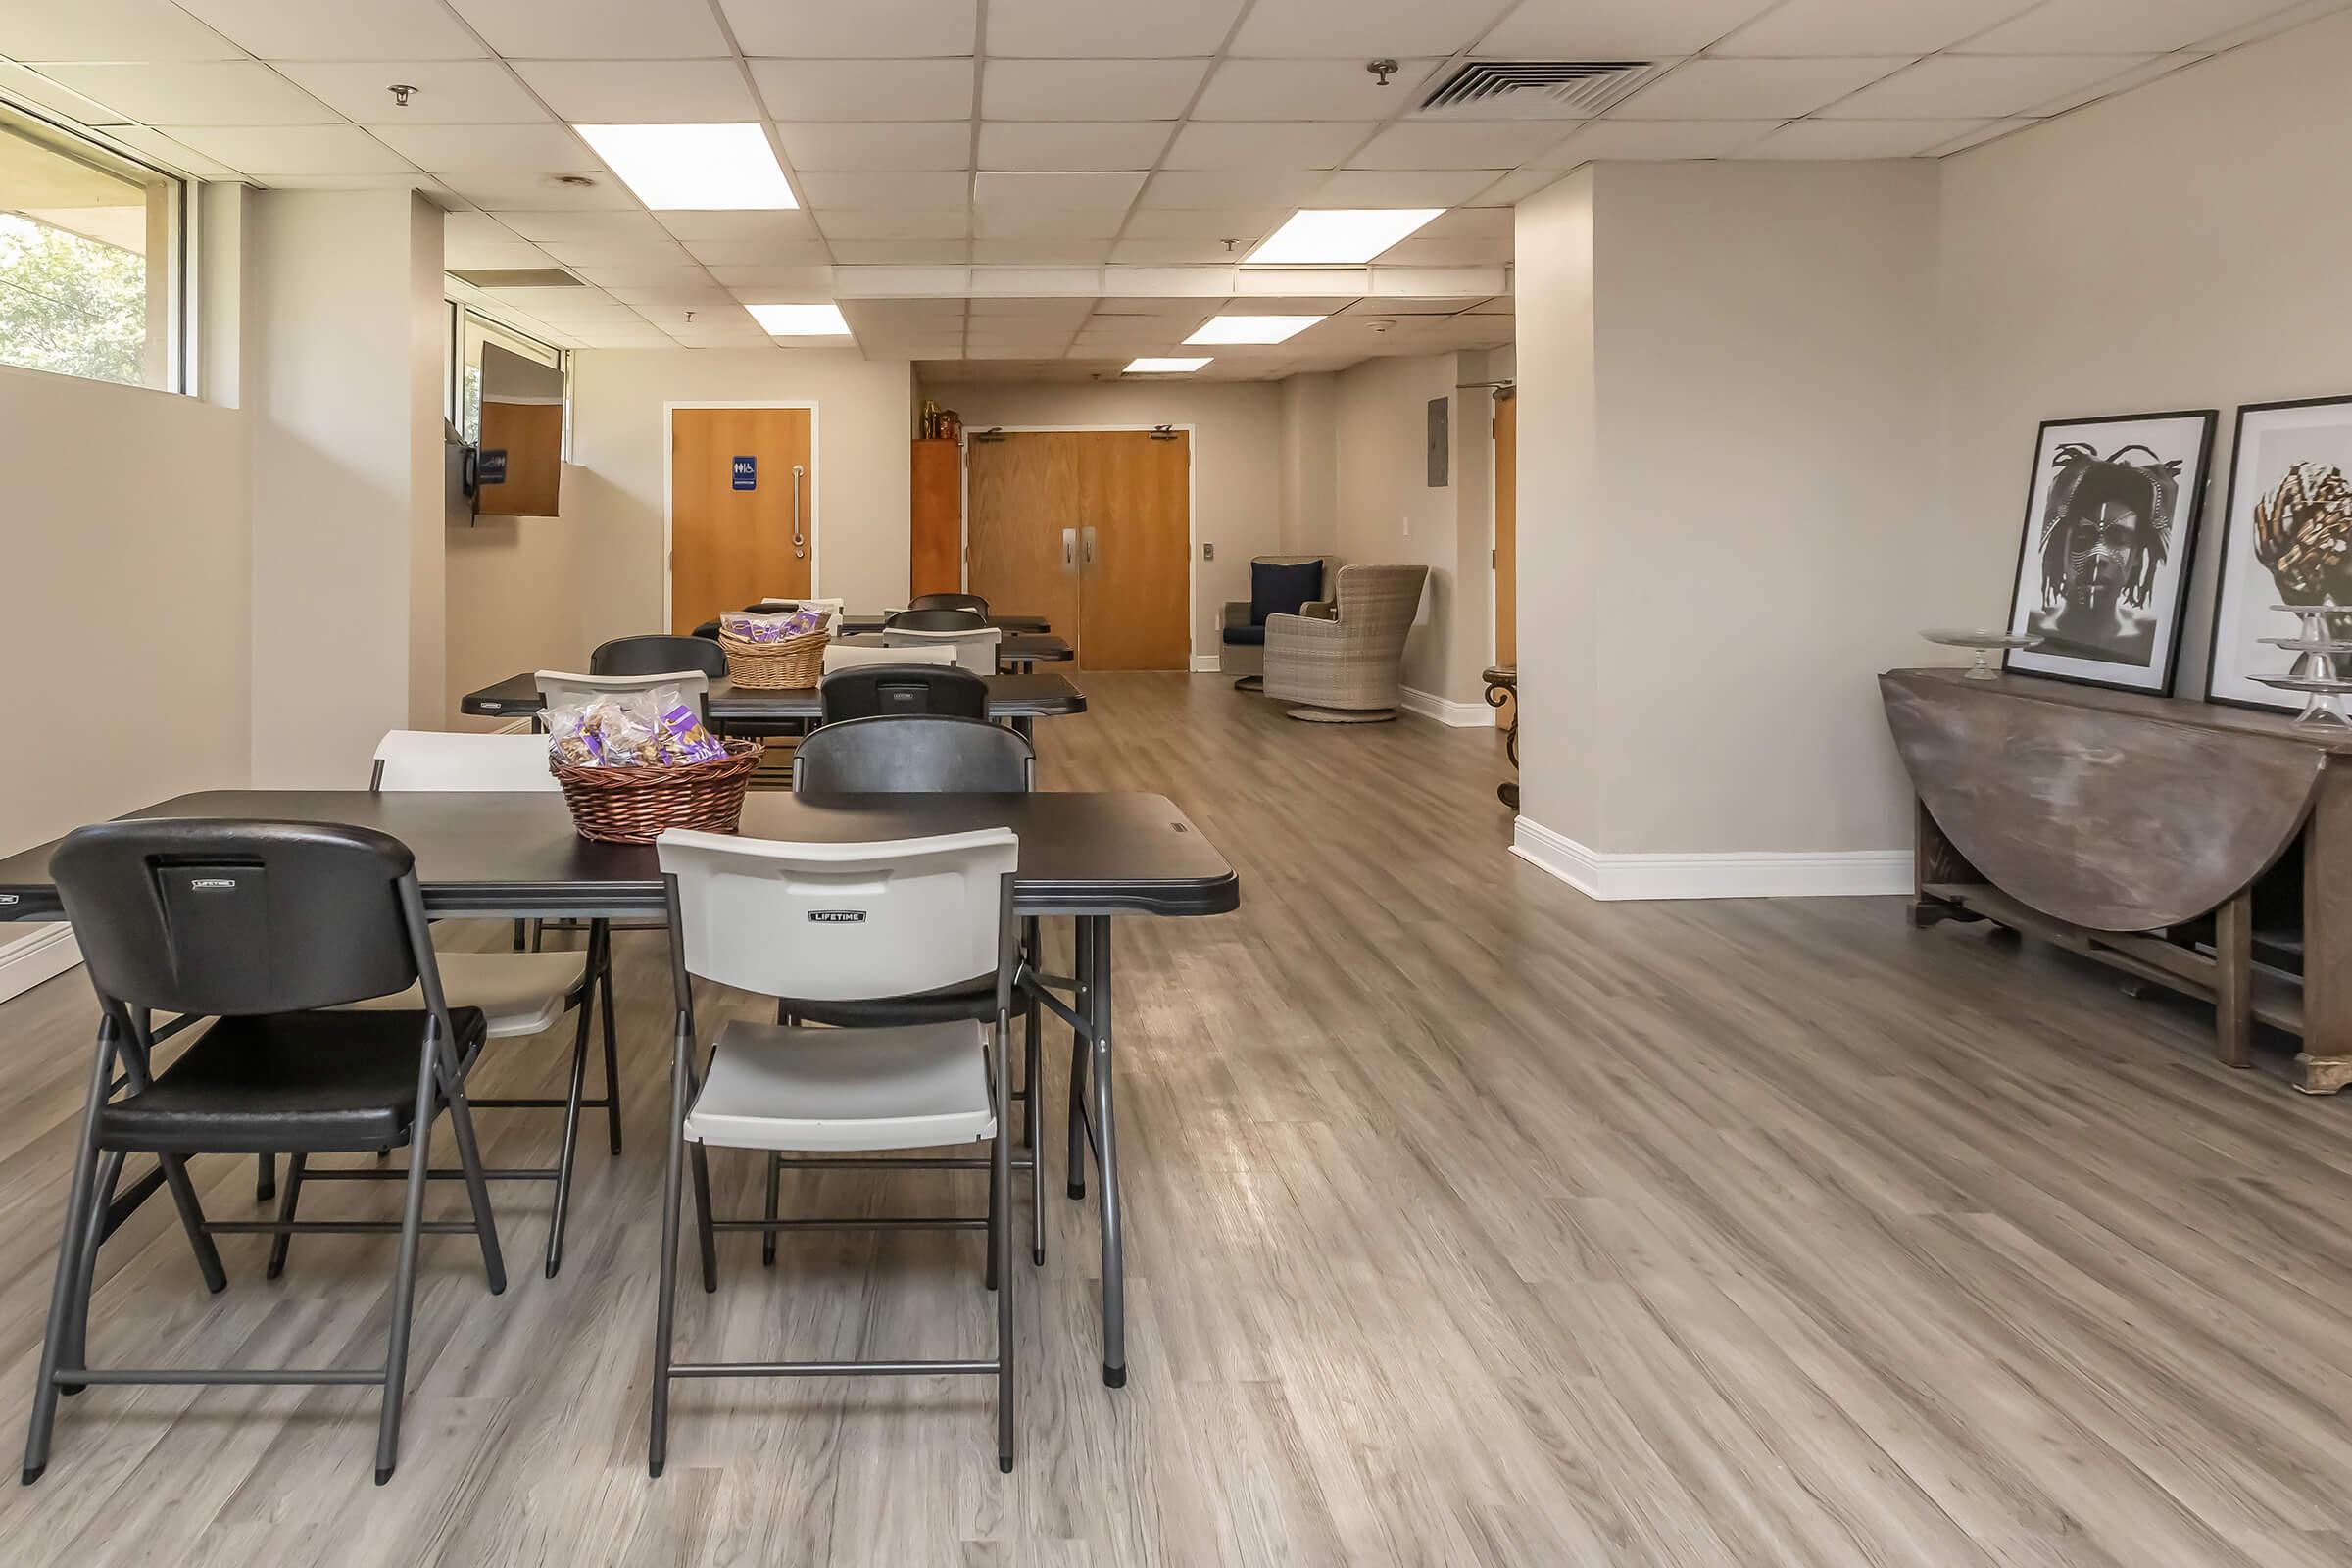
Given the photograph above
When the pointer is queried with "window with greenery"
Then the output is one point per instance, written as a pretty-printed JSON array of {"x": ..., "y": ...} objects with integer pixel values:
[
  {"x": 89, "y": 260},
  {"x": 471, "y": 332}
]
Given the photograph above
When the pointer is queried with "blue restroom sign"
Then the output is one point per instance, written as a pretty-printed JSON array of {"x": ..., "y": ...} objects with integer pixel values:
[
  {"x": 747, "y": 473},
  {"x": 491, "y": 467}
]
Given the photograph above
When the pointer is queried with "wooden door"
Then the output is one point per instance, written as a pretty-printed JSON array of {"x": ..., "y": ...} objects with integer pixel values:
[
  {"x": 732, "y": 539},
  {"x": 1023, "y": 499},
  {"x": 1135, "y": 548},
  {"x": 935, "y": 519}
]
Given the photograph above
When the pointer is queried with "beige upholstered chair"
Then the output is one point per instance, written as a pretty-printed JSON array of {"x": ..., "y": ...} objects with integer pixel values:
[
  {"x": 1241, "y": 641},
  {"x": 1346, "y": 668}
]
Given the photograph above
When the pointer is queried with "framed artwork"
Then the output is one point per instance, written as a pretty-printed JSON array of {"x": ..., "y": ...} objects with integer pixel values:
[
  {"x": 2287, "y": 539},
  {"x": 2102, "y": 565}
]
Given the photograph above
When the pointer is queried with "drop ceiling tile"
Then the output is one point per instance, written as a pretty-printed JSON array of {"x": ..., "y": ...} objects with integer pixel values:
[
  {"x": 1309, "y": 90},
  {"x": 1042, "y": 252},
  {"x": 596, "y": 254},
  {"x": 777, "y": 282},
  {"x": 760, "y": 253},
  {"x": 1037, "y": 190},
  {"x": 1132, "y": 29},
  {"x": 492, "y": 254},
  {"x": 264, "y": 151},
  {"x": 1419, "y": 251},
  {"x": 1499, "y": 144},
  {"x": 540, "y": 228},
  {"x": 597, "y": 29},
  {"x": 1516, "y": 187},
  {"x": 886, "y": 191},
  {"x": 459, "y": 150},
  {"x": 1868, "y": 27},
  {"x": 1402, "y": 187},
  {"x": 309, "y": 29},
  {"x": 178, "y": 155},
  {"x": 1978, "y": 86},
  {"x": 514, "y": 193},
  {"x": 632, "y": 92},
  {"x": 1046, "y": 223},
  {"x": 740, "y": 227},
  {"x": 900, "y": 252},
  {"x": 910, "y": 223},
  {"x": 813, "y": 90},
  {"x": 1176, "y": 252},
  {"x": 698, "y": 295},
  {"x": 1362, "y": 28},
  {"x": 1251, "y": 187},
  {"x": 2115, "y": 26},
  {"x": 615, "y": 276},
  {"x": 206, "y": 92},
  {"x": 1990, "y": 130},
  {"x": 2277, "y": 22},
  {"x": 1754, "y": 90},
  {"x": 1860, "y": 138},
  {"x": 1205, "y": 222},
  {"x": 1618, "y": 29},
  {"x": 109, "y": 29},
  {"x": 877, "y": 145},
  {"x": 1089, "y": 89},
  {"x": 34, "y": 88},
  {"x": 2108, "y": 86},
  {"x": 468, "y": 92},
  {"x": 1647, "y": 139},
  {"x": 1071, "y": 144},
  {"x": 1250, "y": 144},
  {"x": 851, "y": 30}
]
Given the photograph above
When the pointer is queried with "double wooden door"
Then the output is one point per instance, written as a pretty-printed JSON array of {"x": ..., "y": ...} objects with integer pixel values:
[
  {"x": 1093, "y": 531},
  {"x": 742, "y": 509}
]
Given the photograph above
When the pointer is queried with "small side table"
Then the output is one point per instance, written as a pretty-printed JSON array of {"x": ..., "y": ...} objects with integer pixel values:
[{"x": 1502, "y": 686}]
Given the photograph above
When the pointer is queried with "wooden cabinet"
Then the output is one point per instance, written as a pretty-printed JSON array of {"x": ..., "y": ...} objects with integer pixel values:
[{"x": 935, "y": 519}]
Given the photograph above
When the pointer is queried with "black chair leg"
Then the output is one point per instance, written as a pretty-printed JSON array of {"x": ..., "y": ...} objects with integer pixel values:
[
  {"x": 191, "y": 1220},
  {"x": 1033, "y": 1136},
  {"x": 282, "y": 1242},
  {"x": 477, "y": 1186},
  {"x": 265, "y": 1178},
  {"x": 404, "y": 1283},
  {"x": 996, "y": 1187},
  {"x": 67, "y": 1289},
  {"x": 999, "y": 1257},
  {"x": 775, "y": 1196},
  {"x": 702, "y": 1214},
  {"x": 604, "y": 984},
  {"x": 657, "y": 1451},
  {"x": 572, "y": 1128},
  {"x": 73, "y": 1351},
  {"x": 1081, "y": 1049}
]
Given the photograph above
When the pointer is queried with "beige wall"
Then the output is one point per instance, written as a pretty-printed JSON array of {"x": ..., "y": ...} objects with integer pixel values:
[
  {"x": 615, "y": 505},
  {"x": 1311, "y": 470},
  {"x": 2181, "y": 247},
  {"x": 1237, "y": 462},
  {"x": 347, "y": 525}
]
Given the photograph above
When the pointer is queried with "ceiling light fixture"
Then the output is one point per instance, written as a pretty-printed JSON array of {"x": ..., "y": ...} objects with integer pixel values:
[
  {"x": 693, "y": 168},
  {"x": 1162, "y": 367},
  {"x": 800, "y": 320},
  {"x": 1338, "y": 236},
  {"x": 1252, "y": 328}
]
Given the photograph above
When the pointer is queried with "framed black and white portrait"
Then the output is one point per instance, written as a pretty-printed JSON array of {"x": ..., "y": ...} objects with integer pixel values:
[
  {"x": 2102, "y": 568},
  {"x": 2287, "y": 539}
]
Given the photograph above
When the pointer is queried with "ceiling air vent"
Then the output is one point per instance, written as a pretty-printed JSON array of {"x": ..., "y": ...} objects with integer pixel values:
[
  {"x": 1539, "y": 89},
  {"x": 516, "y": 277}
]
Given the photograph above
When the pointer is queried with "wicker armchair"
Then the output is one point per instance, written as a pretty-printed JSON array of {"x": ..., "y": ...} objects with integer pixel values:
[
  {"x": 1241, "y": 641},
  {"x": 1346, "y": 666}
]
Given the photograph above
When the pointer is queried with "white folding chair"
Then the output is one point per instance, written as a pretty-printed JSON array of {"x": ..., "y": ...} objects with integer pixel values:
[
  {"x": 840, "y": 922},
  {"x": 850, "y": 656},
  {"x": 566, "y": 686},
  {"x": 975, "y": 650},
  {"x": 519, "y": 992}
]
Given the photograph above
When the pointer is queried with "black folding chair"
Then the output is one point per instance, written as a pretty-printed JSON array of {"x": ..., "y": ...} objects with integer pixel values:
[
  {"x": 656, "y": 654},
  {"x": 972, "y": 601},
  {"x": 256, "y": 926},
  {"x": 874, "y": 691},
  {"x": 921, "y": 619}
]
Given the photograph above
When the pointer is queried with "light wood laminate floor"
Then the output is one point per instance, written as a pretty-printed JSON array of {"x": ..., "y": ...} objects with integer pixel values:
[{"x": 1472, "y": 1222}]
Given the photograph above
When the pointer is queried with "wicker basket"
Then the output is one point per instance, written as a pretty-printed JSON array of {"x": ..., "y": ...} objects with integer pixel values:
[
  {"x": 792, "y": 664},
  {"x": 633, "y": 804}
]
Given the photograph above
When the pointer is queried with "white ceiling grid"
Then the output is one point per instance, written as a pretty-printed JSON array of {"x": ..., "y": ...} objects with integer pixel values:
[{"x": 1051, "y": 186}]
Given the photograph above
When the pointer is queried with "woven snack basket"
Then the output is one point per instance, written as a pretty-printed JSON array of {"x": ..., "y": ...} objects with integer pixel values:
[
  {"x": 791, "y": 665},
  {"x": 633, "y": 804}
]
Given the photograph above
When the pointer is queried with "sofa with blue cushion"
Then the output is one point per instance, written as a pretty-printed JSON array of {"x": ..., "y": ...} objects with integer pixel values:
[{"x": 1279, "y": 585}]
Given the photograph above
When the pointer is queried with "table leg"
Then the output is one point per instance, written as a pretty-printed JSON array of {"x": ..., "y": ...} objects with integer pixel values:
[
  {"x": 2234, "y": 984},
  {"x": 1106, "y": 1166},
  {"x": 1023, "y": 726},
  {"x": 2325, "y": 1064}
]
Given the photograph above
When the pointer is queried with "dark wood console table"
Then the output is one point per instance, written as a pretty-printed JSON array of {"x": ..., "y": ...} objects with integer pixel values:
[
  {"x": 1502, "y": 686},
  {"x": 2152, "y": 834}
]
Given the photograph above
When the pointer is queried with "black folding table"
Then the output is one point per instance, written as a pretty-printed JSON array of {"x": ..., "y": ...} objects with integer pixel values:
[
  {"x": 1018, "y": 652},
  {"x": 1020, "y": 700},
  {"x": 516, "y": 856}
]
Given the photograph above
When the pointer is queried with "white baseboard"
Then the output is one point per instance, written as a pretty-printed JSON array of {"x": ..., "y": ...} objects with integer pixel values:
[
  {"x": 1462, "y": 716},
  {"x": 41, "y": 953},
  {"x": 1204, "y": 664},
  {"x": 1746, "y": 874}
]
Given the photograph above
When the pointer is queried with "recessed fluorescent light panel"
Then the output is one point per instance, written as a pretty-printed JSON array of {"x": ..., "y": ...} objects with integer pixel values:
[
  {"x": 1338, "y": 236},
  {"x": 800, "y": 320},
  {"x": 1162, "y": 366},
  {"x": 693, "y": 168},
  {"x": 1252, "y": 328}
]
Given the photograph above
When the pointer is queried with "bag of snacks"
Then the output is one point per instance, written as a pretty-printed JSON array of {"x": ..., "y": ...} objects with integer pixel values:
[
  {"x": 612, "y": 732},
  {"x": 683, "y": 739},
  {"x": 759, "y": 626}
]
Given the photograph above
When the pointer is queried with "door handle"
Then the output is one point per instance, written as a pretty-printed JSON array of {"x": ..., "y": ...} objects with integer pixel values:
[
  {"x": 1069, "y": 547},
  {"x": 1089, "y": 544},
  {"x": 799, "y": 545}
]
